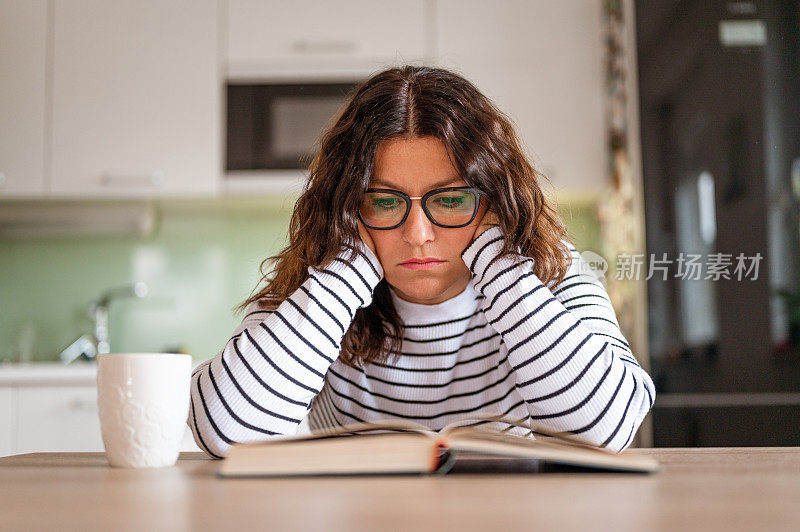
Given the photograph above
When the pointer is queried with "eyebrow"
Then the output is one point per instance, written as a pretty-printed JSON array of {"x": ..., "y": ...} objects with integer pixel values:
[{"x": 446, "y": 182}]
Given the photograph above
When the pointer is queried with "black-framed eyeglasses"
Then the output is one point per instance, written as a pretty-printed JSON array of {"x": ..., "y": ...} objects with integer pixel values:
[{"x": 383, "y": 208}]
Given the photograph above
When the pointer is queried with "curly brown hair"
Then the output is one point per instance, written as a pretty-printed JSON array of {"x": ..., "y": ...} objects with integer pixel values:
[{"x": 410, "y": 101}]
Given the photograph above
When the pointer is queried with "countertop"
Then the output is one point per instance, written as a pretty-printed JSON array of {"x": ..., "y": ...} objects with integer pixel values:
[
  {"x": 48, "y": 373},
  {"x": 697, "y": 489}
]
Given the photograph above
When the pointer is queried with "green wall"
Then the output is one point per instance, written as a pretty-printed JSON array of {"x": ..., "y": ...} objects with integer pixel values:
[{"x": 201, "y": 260}]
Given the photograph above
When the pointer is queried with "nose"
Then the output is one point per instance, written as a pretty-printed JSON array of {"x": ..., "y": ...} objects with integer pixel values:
[{"x": 417, "y": 228}]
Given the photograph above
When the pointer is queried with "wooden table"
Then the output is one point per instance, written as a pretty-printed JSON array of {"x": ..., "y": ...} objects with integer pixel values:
[{"x": 701, "y": 489}]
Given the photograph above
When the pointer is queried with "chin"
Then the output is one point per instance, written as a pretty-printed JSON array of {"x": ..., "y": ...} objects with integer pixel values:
[{"x": 422, "y": 289}]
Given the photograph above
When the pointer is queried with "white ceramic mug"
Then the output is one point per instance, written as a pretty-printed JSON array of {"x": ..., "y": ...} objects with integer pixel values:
[{"x": 143, "y": 402}]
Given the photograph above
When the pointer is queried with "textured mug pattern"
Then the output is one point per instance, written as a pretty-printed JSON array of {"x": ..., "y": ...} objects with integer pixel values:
[
  {"x": 139, "y": 434},
  {"x": 143, "y": 404}
]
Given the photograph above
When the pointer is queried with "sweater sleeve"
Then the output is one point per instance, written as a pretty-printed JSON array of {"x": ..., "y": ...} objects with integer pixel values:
[
  {"x": 572, "y": 364},
  {"x": 263, "y": 380}
]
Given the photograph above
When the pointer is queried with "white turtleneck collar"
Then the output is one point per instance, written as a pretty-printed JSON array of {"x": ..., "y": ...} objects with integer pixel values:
[{"x": 457, "y": 306}]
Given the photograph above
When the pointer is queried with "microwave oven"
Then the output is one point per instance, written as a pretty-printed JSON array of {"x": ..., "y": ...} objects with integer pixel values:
[{"x": 275, "y": 127}]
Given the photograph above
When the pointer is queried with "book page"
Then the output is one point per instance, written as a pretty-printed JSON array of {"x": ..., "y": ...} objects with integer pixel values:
[
  {"x": 451, "y": 429},
  {"x": 360, "y": 427},
  {"x": 556, "y": 447}
]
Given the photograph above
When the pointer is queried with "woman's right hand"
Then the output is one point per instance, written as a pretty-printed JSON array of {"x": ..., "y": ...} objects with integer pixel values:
[{"x": 364, "y": 234}]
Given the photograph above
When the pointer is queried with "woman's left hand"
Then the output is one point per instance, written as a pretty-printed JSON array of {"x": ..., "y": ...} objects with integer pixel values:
[{"x": 488, "y": 221}]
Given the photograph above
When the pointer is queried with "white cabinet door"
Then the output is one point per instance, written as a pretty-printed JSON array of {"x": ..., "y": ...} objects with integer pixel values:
[
  {"x": 23, "y": 28},
  {"x": 541, "y": 62},
  {"x": 58, "y": 418},
  {"x": 318, "y": 35},
  {"x": 7, "y": 425},
  {"x": 136, "y": 98}
]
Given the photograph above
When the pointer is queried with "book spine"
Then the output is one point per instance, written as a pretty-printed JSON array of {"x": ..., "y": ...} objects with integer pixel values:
[{"x": 440, "y": 450}]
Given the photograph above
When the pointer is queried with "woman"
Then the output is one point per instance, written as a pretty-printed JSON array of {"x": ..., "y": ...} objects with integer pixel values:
[{"x": 426, "y": 277}]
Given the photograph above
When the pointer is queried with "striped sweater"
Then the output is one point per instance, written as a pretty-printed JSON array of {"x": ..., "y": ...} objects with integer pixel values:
[{"x": 508, "y": 344}]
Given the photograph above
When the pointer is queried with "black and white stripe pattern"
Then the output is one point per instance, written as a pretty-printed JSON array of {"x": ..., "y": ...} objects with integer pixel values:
[
  {"x": 506, "y": 344},
  {"x": 264, "y": 379},
  {"x": 572, "y": 366}
]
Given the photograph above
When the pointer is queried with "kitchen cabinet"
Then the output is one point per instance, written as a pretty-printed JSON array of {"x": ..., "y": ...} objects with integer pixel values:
[
  {"x": 542, "y": 64},
  {"x": 125, "y": 99},
  {"x": 6, "y": 421},
  {"x": 274, "y": 38},
  {"x": 53, "y": 408},
  {"x": 23, "y": 27},
  {"x": 57, "y": 417},
  {"x": 136, "y": 98}
]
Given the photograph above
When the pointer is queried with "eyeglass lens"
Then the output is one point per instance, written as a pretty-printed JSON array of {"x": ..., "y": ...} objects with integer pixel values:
[{"x": 385, "y": 209}]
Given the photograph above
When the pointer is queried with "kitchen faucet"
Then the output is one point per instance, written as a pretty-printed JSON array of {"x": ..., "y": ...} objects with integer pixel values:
[{"x": 98, "y": 342}]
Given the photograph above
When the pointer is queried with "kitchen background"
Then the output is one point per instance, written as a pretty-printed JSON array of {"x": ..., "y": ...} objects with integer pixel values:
[
  {"x": 124, "y": 89},
  {"x": 151, "y": 152}
]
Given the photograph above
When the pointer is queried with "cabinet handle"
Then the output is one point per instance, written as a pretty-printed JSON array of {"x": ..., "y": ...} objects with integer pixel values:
[
  {"x": 156, "y": 179},
  {"x": 82, "y": 404},
  {"x": 2, "y": 179},
  {"x": 305, "y": 46}
]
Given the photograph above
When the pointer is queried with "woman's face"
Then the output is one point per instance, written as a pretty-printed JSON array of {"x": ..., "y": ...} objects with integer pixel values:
[{"x": 415, "y": 166}]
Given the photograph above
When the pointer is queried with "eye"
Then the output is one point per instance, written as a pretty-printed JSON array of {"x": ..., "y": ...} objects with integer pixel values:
[
  {"x": 451, "y": 201},
  {"x": 385, "y": 203}
]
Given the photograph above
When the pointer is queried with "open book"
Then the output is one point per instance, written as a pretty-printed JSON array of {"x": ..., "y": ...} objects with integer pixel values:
[{"x": 399, "y": 446}]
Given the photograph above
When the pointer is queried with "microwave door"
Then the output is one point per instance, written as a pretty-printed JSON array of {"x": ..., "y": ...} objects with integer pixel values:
[{"x": 278, "y": 126}]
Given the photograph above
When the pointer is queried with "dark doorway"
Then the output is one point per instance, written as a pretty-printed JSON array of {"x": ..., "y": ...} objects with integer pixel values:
[{"x": 719, "y": 86}]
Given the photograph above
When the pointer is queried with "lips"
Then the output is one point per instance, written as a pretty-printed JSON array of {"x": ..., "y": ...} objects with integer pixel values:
[
  {"x": 422, "y": 261},
  {"x": 422, "y": 264}
]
